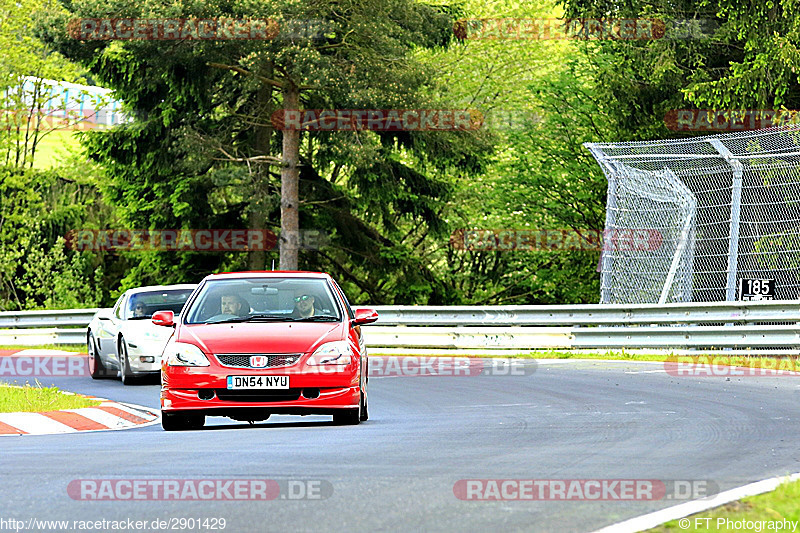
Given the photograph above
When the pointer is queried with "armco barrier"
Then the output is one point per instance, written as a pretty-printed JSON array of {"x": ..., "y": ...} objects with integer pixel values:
[
  {"x": 591, "y": 314},
  {"x": 44, "y": 319},
  {"x": 490, "y": 329}
]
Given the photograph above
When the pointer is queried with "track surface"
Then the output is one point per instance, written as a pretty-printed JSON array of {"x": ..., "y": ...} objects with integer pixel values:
[{"x": 566, "y": 420}]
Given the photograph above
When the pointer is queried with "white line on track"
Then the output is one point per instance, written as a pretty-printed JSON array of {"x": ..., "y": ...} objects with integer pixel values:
[{"x": 683, "y": 510}]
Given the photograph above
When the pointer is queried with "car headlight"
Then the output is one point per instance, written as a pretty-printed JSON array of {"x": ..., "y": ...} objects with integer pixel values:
[
  {"x": 184, "y": 354},
  {"x": 332, "y": 353}
]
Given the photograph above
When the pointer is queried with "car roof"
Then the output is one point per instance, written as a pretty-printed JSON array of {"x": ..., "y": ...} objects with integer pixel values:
[
  {"x": 156, "y": 288},
  {"x": 269, "y": 274}
]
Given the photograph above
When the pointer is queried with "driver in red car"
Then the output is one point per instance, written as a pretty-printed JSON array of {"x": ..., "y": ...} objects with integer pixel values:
[
  {"x": 303, "y": 306},
  {"x": 232, "y": 304}
]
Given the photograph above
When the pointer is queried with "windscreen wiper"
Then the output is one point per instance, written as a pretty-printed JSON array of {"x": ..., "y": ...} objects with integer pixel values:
[
  {"x": 252, "y": 318},
  {"x": 318, "y": 318}
]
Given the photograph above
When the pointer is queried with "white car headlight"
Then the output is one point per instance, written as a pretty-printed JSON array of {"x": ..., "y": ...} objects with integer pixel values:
[
  {"x": 332, "y": 353},
  {"x": 184, "y": 354}
]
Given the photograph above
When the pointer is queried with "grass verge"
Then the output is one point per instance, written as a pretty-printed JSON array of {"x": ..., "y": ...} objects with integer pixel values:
[
  {"x": 32, "y": 399},
  {"x": 749, "y": 514},
  {"x": 54, "y": 147}
]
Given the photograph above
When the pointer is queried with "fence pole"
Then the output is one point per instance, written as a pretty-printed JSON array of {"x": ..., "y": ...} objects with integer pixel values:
[
  {"x": 736, "y": 209},
  {"x": 607, "y": 255}
]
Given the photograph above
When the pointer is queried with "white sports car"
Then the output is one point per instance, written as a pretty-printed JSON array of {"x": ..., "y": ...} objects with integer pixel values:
[{"x": 123, "y": 342}]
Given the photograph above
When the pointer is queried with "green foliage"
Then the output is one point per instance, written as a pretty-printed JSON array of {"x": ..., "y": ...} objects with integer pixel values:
[
  {"x": 201, "y": 154},
  {"x": 37, "y": 269},
  {"x": 25, "y": 62},
  {"x": 745, "y": 58}
]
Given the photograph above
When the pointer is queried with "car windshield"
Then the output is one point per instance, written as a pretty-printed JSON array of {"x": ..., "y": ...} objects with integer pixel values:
[
  {"x": 142, "y": 305},
  {"x": 272, "y": 299}
]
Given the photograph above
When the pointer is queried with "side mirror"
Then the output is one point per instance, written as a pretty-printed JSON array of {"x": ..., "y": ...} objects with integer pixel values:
[
  {"x": 104, "y": 314},
  {"x": 365, "y": 316},
  {"x": 163, "y": 318}
]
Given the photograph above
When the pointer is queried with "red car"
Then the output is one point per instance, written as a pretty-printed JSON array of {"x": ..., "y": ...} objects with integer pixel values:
[{"x": 251, "y": 344}]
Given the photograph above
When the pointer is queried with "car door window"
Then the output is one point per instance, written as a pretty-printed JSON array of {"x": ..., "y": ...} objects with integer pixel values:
[
  {"x": 118, "y": 308},
  {"x": 350, "y": 312}
]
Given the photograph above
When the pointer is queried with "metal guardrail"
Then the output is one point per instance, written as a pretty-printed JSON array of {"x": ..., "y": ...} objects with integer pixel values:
[
  {"x": 464, "y": 338},
  {"x": 747, "y": 325},
  {"x": 665, "y": 337},
  {"x": 591, "y": 314},
  {"x": 33, "y": 337},
  {"x": 46, "y": 319}
]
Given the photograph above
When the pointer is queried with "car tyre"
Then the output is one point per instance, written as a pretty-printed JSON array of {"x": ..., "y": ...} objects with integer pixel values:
[
  {"x": 125, "y": 371},
  {"x": 364, "y": 401},
  {"x": 181, "y": 422},
  {"x": 96, "y": 367},
  {"x": 195, "y": 421},
  {"x": 365, "y": 408},
  {"x": 348, "y": 417}
]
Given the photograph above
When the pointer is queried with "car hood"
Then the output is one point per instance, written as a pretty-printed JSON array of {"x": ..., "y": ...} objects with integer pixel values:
[
  {"x": 261, "y": 337},
  {"x": 143, "y": 331}
]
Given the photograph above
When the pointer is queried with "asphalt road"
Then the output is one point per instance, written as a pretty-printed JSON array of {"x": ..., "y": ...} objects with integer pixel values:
[{"x": 396, "y": 472}]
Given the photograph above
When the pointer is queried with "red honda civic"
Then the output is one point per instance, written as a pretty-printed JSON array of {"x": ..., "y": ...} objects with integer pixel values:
[{"x": 251, "y": 344}]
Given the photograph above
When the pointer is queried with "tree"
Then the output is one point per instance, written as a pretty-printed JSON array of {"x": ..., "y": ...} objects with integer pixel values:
[
  {"x": 201, "y": 153},
  {"x": 25, "y": 96},
  {"x": 540, "y": 99},
  {"x": 39, "y": 207}
]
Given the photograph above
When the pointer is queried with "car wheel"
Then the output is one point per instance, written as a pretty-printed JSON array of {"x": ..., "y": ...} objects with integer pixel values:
[
  {"x": 364, "y": 401},
  {"x": 96, "y": 368},
  {"x": 180, "y": 422},
  {"x": 125, "y": 365},
  {"x": 364, "y": 409},
  {"x": 195, "y": 421},
  {"x": 350, "y": 417}
]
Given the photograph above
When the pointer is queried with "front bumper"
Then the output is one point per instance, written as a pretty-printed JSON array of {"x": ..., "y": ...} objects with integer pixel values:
[
  {"x": 328, "y": 401},
  {"x": 139, "y": 367},
  {"x": 184, "y": 389},
  {"x": 149, "y": 351}
]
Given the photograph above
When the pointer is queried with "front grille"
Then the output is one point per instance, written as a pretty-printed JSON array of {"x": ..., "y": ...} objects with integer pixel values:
[
  {"x": 242, "y": 360},
  {"x": 287, "y": 395}
]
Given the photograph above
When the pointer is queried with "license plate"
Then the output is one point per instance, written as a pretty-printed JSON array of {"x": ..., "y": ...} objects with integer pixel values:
[{"x": 258, "y": 382}]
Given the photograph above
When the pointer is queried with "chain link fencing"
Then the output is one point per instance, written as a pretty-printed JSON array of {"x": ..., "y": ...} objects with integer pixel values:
[{"x": 726, "y": 207}]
